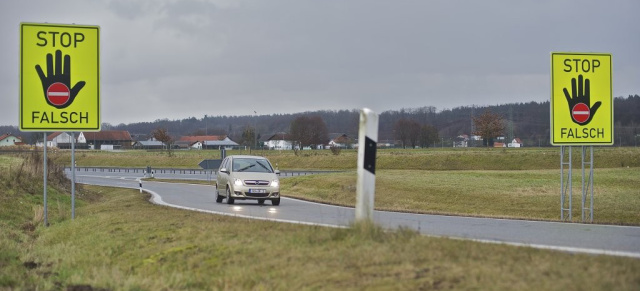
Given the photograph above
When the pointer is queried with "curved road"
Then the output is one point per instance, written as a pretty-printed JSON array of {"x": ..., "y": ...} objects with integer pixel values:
[{"x": 571, "y": 237}]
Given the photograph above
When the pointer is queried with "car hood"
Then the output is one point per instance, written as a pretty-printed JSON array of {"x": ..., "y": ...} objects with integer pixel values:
[{"x": 254, "y": 176}]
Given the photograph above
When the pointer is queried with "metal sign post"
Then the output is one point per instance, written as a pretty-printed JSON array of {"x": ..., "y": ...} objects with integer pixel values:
[
  {"x": 73, "y": 175},
  {"x": 44, "y": 171},
  {"x": 566, "y": 189},
  {"x": 589, "y": 186}
]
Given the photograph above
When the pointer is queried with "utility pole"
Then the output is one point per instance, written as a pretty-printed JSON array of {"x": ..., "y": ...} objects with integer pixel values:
[
  {"x": 473, "y": 126},
  {"x": 510, "y": 124},
  {"x": 255, "y": 130}
]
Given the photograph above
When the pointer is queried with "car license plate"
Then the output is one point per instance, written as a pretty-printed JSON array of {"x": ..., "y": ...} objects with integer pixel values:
[{"x": 257, "y": 191}]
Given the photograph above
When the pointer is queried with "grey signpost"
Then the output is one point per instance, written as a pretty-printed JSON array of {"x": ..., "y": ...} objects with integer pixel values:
[
  {"x": 44, "y": 171},
  {"x": 565, "y": 185},
  {"x": 73, "y": 175}
]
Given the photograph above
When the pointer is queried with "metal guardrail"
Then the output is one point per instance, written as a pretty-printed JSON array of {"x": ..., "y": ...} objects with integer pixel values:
[
  {"x": 139, "y": 170},
  {"x": 181, "y": 171}
]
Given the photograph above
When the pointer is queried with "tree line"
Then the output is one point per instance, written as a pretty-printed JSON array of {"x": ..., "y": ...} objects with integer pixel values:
[{"x": 527, "y": 121}]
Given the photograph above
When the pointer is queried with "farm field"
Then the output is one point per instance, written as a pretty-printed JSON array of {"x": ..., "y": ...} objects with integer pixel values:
[
  {"x": 388, "y": 159},
  {"x": 524, "y": 194},
  {"x": 510, "y": 183}
]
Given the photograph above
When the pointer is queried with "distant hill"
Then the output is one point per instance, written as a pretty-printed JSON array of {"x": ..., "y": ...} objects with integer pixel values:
[{"x": 528, "y": 121}]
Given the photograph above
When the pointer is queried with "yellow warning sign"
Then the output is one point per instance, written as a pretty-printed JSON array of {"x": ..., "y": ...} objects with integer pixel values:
[
  {"x": 59, "y": 77},
  {"x": 581, "y": 99}
]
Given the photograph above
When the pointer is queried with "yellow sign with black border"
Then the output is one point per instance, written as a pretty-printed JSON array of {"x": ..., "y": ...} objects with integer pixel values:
[
  {"x": 581, "y": 99},
  {"x": 59, "y": 77}
]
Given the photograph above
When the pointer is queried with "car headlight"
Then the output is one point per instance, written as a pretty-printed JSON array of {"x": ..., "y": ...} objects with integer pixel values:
[
  {"x": 237, "y": 182},
  {"x": 275, "y": 183}
]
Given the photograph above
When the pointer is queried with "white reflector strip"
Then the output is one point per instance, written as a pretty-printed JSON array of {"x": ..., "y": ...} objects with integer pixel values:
[{"x": 58, "y": 94}]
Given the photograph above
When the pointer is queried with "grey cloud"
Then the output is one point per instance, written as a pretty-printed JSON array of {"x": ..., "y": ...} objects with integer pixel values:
[{"x": 189, "y": 58}]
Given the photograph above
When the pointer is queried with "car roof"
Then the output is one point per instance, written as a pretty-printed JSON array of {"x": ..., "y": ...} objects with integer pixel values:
[{"x": 248, "y": 157}]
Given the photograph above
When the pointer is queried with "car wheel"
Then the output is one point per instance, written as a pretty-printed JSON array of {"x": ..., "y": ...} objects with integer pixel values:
[
  {"x": 229, "y": 199},
  {"x": 275, "y": 202},
  {"x": 218, "y": 197},
  {"x": 261, "y": 201}
]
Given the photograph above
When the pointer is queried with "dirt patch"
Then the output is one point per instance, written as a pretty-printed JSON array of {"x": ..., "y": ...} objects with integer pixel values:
[
  {"x": 84, "y": 288},
  {"x": 31, "y": 265}
]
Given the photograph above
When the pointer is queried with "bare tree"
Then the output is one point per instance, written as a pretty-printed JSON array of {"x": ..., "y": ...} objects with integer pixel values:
[
  {"x": 414, "y": 133},
  {"x": 407, "y": 131},
  {"x": 428, "y": 135},
  {"x": 489, "y": 125},
  {"x": 401, "y": 131},
  {"x": 248, "y": 136},
  {"x": 309, "y": 130},
  {"x": 162, "y": 135}
]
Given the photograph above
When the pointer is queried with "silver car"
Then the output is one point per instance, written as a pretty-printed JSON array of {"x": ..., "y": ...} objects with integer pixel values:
[{"x": 247, "y": 178}]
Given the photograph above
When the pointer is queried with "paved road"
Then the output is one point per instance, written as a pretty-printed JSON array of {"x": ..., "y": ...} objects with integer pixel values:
[
  {"x": 172, "y": 173},
  {"x": 572, "y": 237}
]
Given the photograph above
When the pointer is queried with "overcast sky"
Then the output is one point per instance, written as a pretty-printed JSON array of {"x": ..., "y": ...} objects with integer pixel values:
[{"x": 178, "y": 59}]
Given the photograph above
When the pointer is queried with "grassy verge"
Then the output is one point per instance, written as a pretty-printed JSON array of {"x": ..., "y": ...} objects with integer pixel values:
[
  {"x": 123, "y": 242},
  {"x": 533, "y": 194},
  {"x": 388, "y": 159},
  {"x": 22, "y": 215}
]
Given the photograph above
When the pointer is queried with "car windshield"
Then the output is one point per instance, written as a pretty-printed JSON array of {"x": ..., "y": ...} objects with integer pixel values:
[{"x": 251, "y": 165}]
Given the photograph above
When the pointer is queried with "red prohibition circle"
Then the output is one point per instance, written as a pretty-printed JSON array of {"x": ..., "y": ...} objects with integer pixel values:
[
  {"x": 580, "y": 112},
  {"x": 58, "y": 93}
]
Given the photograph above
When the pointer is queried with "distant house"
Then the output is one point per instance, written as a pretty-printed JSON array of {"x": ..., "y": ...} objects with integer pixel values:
[
  {"x": 340, "y": 140},
  {"x": 9, "y": 140},
  {"x": 187, "y": 144},
  {"x": 197, "y": 141},
  {"x": 382, "y": 143},
  {"x": 279, "y": 141},
  {"x": 499, "y": 145},
  {"x": 515, "y": 143},
  {"x": 218, "y": 144},
  {"x": 60, "y": 140},
  {"x": 107, "y": 139},
  {"x": 151, "y": 144},
  {"x": 197, "y": 145},
  {"x": 461, "y": 141}
]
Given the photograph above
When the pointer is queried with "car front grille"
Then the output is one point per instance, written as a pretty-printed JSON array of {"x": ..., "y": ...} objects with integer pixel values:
[{"x": 256, "y": 182}]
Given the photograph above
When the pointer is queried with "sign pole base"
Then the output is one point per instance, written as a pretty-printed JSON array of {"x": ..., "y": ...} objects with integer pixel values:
[
  {"x": 44, "y": 171},
  {"x": 566, "y": 188},
  {"x": 588, "y": 188}
]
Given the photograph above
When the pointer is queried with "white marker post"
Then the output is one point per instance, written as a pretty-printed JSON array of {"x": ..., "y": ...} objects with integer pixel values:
[
  {"x": 367, "y": 146},
  {"x": 73, "y": 175}
]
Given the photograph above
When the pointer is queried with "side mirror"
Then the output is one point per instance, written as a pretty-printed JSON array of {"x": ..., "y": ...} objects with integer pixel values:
[
  {"x": 224, "y": 170},
  {"x": 277, "y": 172}
]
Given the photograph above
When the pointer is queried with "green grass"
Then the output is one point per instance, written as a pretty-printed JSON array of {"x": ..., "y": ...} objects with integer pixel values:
[
  {"x": 388, "y": 159},
  {"x": 123, "y": 242},
  {"x": 533, "y": 194},
  {"x": 6, "y": 162}
]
